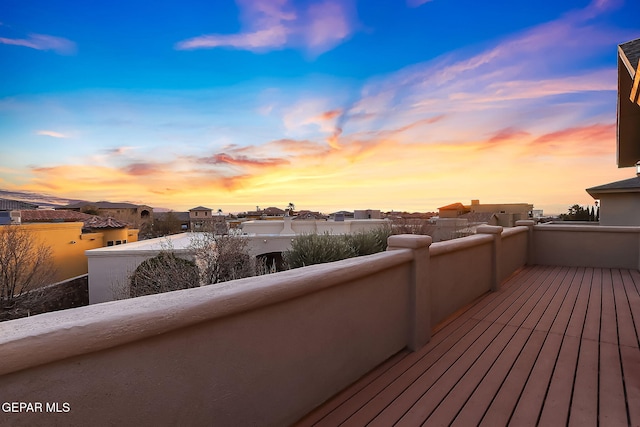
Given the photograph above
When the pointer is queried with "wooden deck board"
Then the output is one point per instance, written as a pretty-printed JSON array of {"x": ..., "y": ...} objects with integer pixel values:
[
  {"x": 584, "y": 404},
  {"x": 553, "y": 346}
]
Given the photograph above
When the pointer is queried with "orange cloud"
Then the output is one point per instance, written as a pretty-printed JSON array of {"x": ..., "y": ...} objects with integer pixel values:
[{"x": 329, "y": 115}]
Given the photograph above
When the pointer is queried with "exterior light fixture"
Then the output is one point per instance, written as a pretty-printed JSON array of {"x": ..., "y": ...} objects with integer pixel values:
[{"x": 73, "y": 242}]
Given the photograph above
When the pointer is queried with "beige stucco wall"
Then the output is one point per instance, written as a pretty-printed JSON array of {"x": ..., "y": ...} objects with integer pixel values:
[
  {"x": 459, "y": 272},
  {"x": 258, "y": 351},
  {"x": 586, "y": 246},
  {"x": 620, "y": 209},
  {"x": 514, "y": 251}
]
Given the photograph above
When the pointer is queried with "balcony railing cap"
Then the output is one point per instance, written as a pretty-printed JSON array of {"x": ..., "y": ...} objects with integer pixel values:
[
  {"x": 409, "y": 241},
  {"x": 489, "y": 229}
]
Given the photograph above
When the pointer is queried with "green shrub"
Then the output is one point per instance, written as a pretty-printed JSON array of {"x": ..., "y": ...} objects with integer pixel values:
[
  {"x": 309, "y": 249},
  {"x": 312, "y": 249}
]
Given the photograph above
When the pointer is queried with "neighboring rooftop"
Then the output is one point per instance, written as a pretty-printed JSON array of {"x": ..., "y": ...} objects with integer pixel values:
[
  {"x": 631, "y": 185},
  {"x": 97, "y": 222},
  {"x": 53, "y": 216},
  {"x": 15, "y": 205},
  {"x": 101, "y": 205}
]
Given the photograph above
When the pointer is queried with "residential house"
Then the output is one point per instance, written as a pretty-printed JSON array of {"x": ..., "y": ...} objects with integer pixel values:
[
  {"x": 505, "y": 214},
  {"x": 620, "y": 200},
  {"x": 69, "y": 234},
  {"x": 139, "y": 216}
]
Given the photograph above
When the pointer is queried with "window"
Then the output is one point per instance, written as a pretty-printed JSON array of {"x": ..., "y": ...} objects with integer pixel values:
[
  {"x": 195, "y": 214},
  {"x": 118, "y": 242},
  {"x": 110, "y": 243},
  {"x": 124, "y": 241}
]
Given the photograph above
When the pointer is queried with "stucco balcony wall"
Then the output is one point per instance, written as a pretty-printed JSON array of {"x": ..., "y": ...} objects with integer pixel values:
[
  {"x": 586, "y": 246},
  {"x": 514, "y": 252},
  {"x": 459, "y": 272},
  {"x": 254, "y": 351},
  {"x": 266, "y": 350}
]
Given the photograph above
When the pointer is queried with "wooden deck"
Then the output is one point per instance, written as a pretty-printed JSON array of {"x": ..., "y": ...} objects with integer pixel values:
[{"x": 554, "y": 346}]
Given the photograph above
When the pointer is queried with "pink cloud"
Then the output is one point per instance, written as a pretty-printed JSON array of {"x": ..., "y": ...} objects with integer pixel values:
[
  {"x": 44, "y": 42},
  {"x": 274, "y": 37},
  {"x": 276, "y": 24},
  {"x": 51, "y": 133}
]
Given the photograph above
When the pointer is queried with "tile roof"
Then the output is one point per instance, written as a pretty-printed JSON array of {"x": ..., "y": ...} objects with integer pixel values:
[
  {"x": 100, "y": 222},
  {"x": 453, "y": 207},
  {"x": 101, "y": 205},
  {"x": 200, "y": 208},
  {"x": 309, "y": 215},
  {"x": 631, "y": 185},
  {"x": 631, "y": 51},
  {"x": 90, "y": 221},
  {"x": 53, "y": 216}
]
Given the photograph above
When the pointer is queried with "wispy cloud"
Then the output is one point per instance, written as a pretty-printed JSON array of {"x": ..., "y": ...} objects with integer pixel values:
[
  {"x": 51, "y": 133},
  {"x": 454, "y": 128},
  {"x": 59, "y": 45},
  {"x": 276, "y": 24},
  {"x": 417, "y": 3}
]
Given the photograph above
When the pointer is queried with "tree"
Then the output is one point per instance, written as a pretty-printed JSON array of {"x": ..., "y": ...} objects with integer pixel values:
[
  {"x": 576, "y": 213},
  {"x": 163, "y": 273},
  {"x": 25, "y": 264},
  {"x": 164, "y": 225},
  {"x": 221, "y": 257}
]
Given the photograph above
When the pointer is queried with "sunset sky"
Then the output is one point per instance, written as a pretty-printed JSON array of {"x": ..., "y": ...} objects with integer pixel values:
[{"x": 329, "y": 104}]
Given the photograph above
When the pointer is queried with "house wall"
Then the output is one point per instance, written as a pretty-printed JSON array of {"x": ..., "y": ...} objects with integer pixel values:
[
  {"x": 288, "y": 226},
  {"x": 119, "y": 234},
  {"x": 68, "y": 245},
  {"x": 620, "y": 209}
]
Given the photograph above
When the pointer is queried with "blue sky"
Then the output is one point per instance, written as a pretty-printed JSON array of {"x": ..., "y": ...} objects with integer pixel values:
[{"x": 329, "y": 104}]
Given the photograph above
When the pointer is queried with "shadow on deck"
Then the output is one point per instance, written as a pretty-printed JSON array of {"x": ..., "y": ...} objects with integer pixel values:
[{"x": 553, "y": 346}]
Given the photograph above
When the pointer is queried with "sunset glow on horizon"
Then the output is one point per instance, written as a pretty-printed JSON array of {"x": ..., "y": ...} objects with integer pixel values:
[{"x": 328, "y": 104}]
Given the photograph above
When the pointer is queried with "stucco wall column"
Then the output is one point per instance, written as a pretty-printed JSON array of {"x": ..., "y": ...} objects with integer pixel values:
[
  {"x": 496, "y": 250},
  {"x": 530, "y": 249},
  {"x": 419, "y": 327}
]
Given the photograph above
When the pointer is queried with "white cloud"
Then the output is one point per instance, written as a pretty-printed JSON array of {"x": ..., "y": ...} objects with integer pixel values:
[
  {"x": 276, "y": 24},
  {"x": 43, "y": 42},
  {"x": 51, "y": 133}
]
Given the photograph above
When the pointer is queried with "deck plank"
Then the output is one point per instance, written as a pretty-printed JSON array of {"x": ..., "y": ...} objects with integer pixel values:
[
  {"x": 474, "y": 409},
  {"x": 584, "y": 403},
  {"x": 447, "y": 411},
  {"x": 502, "y": 406},
  {"x": 612, "y": 408},
  {"x": 631, "y": 367},
  {"x": 555, "y": 410},
  {"x": 633, "y": 297}
]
